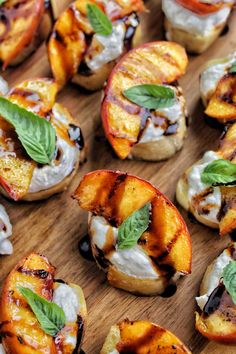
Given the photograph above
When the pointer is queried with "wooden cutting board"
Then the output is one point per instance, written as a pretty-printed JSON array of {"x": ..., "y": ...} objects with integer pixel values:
[{"x": 54, "y": 227}]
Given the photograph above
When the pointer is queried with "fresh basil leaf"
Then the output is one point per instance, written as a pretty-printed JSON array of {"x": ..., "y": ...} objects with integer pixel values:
[
  {"x": 50, "y": 316},
  {"x": 2, "y": 2},
  {"x": 232, "y": 70},
  {"x": 98, "y": 20},
  {"x": 133, "y": 227},
  {"x": 36, "y": 134},
  {"x": 229, "y": 279},
  {"x": 151, "y": 96},
  {"x": 219, "y": 172}
]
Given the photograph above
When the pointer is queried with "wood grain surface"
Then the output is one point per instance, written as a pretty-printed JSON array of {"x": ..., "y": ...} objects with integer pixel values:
[{"x": 54, "y": 227}]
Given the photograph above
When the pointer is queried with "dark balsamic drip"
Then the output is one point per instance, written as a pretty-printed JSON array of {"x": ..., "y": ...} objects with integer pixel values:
[
  {"x": 100, "y": 258},
  {"x": 82, "y": 352},
  {"x": 84, "y": 69},
  {"x": 232, "y": 251},
  {"x": 79, "y": 333},
  {"x": 56, "y": 35},
  {"x": 170, "y": 290},
  {"x": 85, "y": 248},
  {"x": 59, "y": 281},
  {"x": 40, "y": 273},
  {"x": 225, "y": 31},
  {"x": 214, "y": 300},
  {"x": 75, "y": 135},
  {"x": 233, "y": 235},
  {"x": 130, "y": 30}
]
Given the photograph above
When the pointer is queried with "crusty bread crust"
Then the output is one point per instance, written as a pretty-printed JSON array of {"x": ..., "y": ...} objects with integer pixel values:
[{"x": 112, "y": 339}]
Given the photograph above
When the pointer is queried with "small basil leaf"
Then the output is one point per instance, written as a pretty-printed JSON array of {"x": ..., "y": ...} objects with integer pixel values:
[
  {"x": 219, "y": 172},
  {"x": 151, "y": 96},
  {"x": 50, "y": 316},
  {"x": 232, "y": 70},
  {"x": 36, "y": 134},
  {"x": 229, "y": 279},
  {"x": 2, "y": 2},
  {"x": 98, "y": 20},
  {"x": 133, "y": 227}
]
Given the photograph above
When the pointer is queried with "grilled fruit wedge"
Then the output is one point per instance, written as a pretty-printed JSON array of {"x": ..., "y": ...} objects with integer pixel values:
[
  {"x": 24, "y": 24},
  {"x": 20, "y": 330},
  {"x": 200, "y": 24},
  {"x": 21, "y": 177},
  {"x": 216, "y": 319},
  {"x": 142, "y": 337},
  {"x": 214, "y": 206},
  {"x": 163, "y": 252},
  {"x": 132, "y": 130},
  {"x": 77, "y": 53}
]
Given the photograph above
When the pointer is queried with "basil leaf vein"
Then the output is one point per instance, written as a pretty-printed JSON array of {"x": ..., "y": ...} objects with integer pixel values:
[
  {"x": 219, "y": 172},
  {"x": 151, "y": 96},
  {"x": 133, "y": 227},
  {"x": 50, "y": 316},
  {"x": 229, "y": 279},
  {"x": 99, "y": 20},
  {"x": 232, "y": 70},
  {"x": 36, "y": 134}
]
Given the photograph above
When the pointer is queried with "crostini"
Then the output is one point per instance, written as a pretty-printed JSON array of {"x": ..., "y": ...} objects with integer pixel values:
[
  {"x": 5, "y": 232},
  {"x": 137, "y": 236},
  {"x": 218, "y": 89},
  {"x": 141, "y": 337},
  {"x": 39, "y": 314},
  {"x": 24, "y": 25},
  {"x": 195, "y": 24},
  {"x": 89, "y": 37},
  {"x": 208, "y": 188},
  {"x": 51, "y": 134},
  {"x": 216, "y": 318},
  {"x": 143, "y": 110}
]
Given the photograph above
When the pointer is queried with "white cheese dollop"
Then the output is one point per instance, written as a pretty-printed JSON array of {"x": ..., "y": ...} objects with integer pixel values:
[
  {"x": 184, "y": 19},
  {"x": 4, "y": 88},
  {"x": 196, "y": 186},
  {"x": 5, "y": 245},
  {"x": 114, "y": 351},
  {"x": 65, "y": 297},
  {"x": 113, "y": 46},
  {"x": 214, "y": 278},
  {"x": 2, "y": 350}
]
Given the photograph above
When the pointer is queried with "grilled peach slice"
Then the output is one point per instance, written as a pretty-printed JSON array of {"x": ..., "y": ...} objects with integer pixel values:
[
  {"x": 73, "y": 46},
  {"x": 20, "y": 330},
  {"x": 141, "y": 337},
  {"x": 216, "y": 318},
  {"x": 21, "y": 177},
  {"x": 128, "y": 126},
  {"x": 163, "y": 252},
  {"x": 214, "y": 206}
]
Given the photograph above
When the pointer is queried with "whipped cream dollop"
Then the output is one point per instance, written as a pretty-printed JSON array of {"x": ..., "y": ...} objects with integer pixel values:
[
  {"x": 212, "y": 200},
  {"x": 184, "y": 19},
  {"x": 5, "y": 232}
]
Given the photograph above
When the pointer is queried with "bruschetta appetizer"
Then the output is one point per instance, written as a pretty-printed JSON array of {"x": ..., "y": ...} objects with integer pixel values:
[
  {"x": 195, "y": 24},
  {"x": 41, "y": 144},
  {"x": 142, "y": 337},
  {"x": 218, "y": 89},
  {"x": 216, "y": 318},
  {"x": 143, "y": 110},
  {"x": 89, "y": 38},
  {"x": 5, "y": 233},
  {"x": 136, "y": 234},
  {"x": 208, "y": 188},
  {"x": 39, "y": 314},
  {"x": 24, "y": 25}
]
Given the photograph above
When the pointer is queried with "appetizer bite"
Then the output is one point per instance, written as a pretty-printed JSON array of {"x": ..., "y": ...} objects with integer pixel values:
[
  {"x": 41, "y": 145},
  {"x": 218, "y": 89},
  {"x": 136, "y": 234},
  {"x": 195, "y": 24},
  {"x": 24, "y": 25},
  {"x": 208, "y": 188},
  {"x": 140, "y": 337},
  {"x": 89, "y": 37},
  {"x": 39, "y": 314},
  {"x": 5, "y": 232},
  {"x": 143, "y": 110},
  {"x": 216, "y": 318}
]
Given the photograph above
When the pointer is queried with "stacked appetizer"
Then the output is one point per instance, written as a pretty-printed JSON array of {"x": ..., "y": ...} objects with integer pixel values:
[
  {"x": 142, "y": 337},
  {"x": 24, "y": 25},
  {"x": 5, "y": 232},
  {"x": 143, "y": 110},
  {"x": 218, "y": 89},
  {"x": 40, "y": 143},
  {"x": 217, "y": 301},
  {"x": 195, "y": 24},
  {"x": 89, "y": 37},
  {"x": 39, "y": 314},
  {"x": 208, "y": 190},
  {"x": 137, "y": 235}
]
